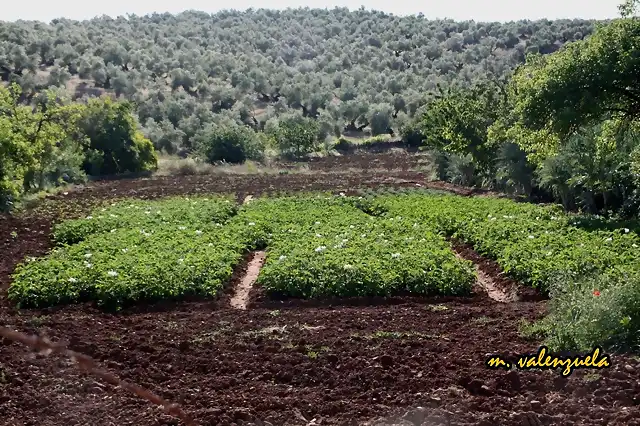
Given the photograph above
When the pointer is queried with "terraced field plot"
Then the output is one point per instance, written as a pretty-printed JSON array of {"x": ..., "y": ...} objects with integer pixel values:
[{"x": 393, "y": 319}]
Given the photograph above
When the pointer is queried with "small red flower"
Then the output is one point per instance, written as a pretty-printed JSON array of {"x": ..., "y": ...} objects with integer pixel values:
[{"x": 596, "y": 293}]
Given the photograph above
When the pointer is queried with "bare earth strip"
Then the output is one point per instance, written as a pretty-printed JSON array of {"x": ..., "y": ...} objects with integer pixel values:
[
  {"x": 500, "y": 292},
  {"x": 241, "y": 296}
]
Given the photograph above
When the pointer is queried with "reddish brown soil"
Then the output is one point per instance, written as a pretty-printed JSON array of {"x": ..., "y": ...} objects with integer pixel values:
[
  {"x": 505, "y": 287},
  {"x": 339, "y": 363}
]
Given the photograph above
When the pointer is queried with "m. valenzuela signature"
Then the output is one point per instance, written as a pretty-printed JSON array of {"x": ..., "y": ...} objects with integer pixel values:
[{"x": 540, "y": 360}]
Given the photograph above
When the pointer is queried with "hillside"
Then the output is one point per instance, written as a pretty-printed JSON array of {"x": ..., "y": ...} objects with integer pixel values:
[{"x": 347, "y": 69}]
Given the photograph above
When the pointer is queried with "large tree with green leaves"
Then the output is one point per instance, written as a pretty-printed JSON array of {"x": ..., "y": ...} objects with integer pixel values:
[
  {"x": 584, "y": 83},
  {"x": 458, "y": 120}
]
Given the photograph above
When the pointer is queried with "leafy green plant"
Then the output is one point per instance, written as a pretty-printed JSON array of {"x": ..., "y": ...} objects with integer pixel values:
[
  {"x": 323, "y": 246},
  {"x": 145, "y": 215}
]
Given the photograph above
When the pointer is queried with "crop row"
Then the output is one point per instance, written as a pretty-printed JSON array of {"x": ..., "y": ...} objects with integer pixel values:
[
  {"x": 324, "y": 246},
  {"x": 532, "y": 243},
  {"x": 134, "y": 251},
  {"x": 145, "y": 215}
]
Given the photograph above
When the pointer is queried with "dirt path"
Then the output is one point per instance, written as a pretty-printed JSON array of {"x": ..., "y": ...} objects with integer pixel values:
[
  {"x": 241, "y": 296},
  {"x": 490, "y": 278}
]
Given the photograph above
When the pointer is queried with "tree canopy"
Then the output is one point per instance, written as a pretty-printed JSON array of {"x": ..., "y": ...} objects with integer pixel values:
[
  {"x": 352, "y": 70},
  {"x": 585, "y": 82}
]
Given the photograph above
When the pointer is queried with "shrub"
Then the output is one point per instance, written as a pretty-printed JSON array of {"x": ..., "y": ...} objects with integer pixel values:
[
  {"x": 229, "y": 143},
  {"x": 115, "y": 145},
  {"x": 411, "y": 135},
  {"x": 597, "y": 310},
  {"x": 296, "y": 136}
]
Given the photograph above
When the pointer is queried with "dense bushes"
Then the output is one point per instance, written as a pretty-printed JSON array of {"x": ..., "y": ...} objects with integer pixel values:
[
  {"x": 56, "y": 141},
  {"x": 296, "y": 135},
  {"x": 231, "y": 143},
  {"x": 115, "y": 143}
]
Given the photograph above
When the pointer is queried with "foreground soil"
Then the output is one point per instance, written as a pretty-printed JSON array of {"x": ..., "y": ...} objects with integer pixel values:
[
  {"x": 409, "y": 361},
  {"x": 341, "y": 364}
]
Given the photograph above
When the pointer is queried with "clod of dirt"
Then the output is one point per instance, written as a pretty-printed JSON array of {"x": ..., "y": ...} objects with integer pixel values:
[
  {"x": 386, "y": 360},
  {"x": 241, "y": 296}
]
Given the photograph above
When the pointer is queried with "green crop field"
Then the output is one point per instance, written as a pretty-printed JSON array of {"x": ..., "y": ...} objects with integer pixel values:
[{"x": 322, "y": 245}]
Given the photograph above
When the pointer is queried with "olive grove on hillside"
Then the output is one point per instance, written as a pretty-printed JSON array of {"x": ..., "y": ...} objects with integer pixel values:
[{"x": 349, "y": 70}]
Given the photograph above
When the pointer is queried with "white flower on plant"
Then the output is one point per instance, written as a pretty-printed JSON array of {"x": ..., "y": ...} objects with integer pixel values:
[
  {"x": 198, "y": 232},
  {"x": 351, "y": 226},
  {"x": 103, "y": 209},
  {"x": 348, "y": 266},
  {"x": 489, "y": 215},
  {"x": 634, "y": 245},
  {"x": 124, "y": 250},
  {"x": 72, "y": 280},
  {"x": 342, "y": 194},
  {"x": 283, "y": 257},
  {"x": 89, "y": 217},
  {"x": 252, "y": 223},
  {"x": 493, "y": 218},
  {"x": 112, "y": 273},
  {"x": 626, "y": 230},
  {"x": 210, "y": 244},
  {"x": 415, "y": 225},
  {"x": 395, "y": 255},
  {"x": 609, "y": 239},
  {"x": 147, "y": 212},
  {"x": 87, "y": 255},
  {"x": 112, "y": 215},
  {"x": 317, "y": 223},
  {"x": 182, "y": 228},
  {"x": 531, "y": 237},
  {"x": 321, "y": 248},
  {"x": 88, "y": 265},
  {"x": 344, "y": 240},
  {"x": 318, "y": 236},
  {"x": 112, "y": 231}
]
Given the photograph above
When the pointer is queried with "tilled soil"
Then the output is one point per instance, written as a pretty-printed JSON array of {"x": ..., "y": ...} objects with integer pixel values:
[
  {"x": 342, "y": 364},
  {"x": 291, "y": 362}
]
